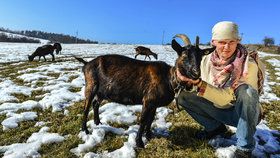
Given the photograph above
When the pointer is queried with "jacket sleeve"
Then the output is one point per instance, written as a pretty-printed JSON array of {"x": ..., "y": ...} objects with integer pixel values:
[{"x": 222, "y": 97}]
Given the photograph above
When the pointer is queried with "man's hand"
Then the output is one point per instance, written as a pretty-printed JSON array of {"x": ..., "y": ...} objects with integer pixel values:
[{"x": 186, "y": 79}]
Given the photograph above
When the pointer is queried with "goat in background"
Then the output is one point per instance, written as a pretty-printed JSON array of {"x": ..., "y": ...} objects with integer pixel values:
[
  {"x": 45, "y": 50},
  {"x": 140, "y": 50}
]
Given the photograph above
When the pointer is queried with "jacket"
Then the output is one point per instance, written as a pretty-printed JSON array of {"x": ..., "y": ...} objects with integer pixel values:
[{"x": 223, "y": 97}]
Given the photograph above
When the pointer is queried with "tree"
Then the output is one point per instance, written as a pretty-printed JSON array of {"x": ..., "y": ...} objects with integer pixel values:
[{"x": 268, "y": 41}]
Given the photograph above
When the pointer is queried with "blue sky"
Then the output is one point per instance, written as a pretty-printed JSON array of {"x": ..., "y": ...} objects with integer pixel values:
[{"x": 142, "y": 22}]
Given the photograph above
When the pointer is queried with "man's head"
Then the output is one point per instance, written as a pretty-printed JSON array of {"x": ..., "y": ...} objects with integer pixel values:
[{"x": 225, "y": 36}]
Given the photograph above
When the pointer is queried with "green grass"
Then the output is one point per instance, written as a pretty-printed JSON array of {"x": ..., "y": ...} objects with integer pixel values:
[
  {"x": 74, "y": 89},
  {"x": 272, "y": 114},
  {"x": 71, "y": 78},
  {"x": 272, "y": 74},
  {"x": 39, "y": 83},
  {"x": 272, "y": 109},
  {"x": 55, "y": 75},
  {"x": 180, "y": 143},
  {"x": 19, "y": 134}
]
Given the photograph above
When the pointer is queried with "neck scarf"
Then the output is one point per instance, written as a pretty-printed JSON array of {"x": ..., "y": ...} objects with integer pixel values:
[{"x": 228, "y": 73}]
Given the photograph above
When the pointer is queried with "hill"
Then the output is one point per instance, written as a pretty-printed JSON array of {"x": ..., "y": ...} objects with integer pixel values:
[
  {"x": 260, "y": 47},
  {"x": 11, "y": 37},
  {"x": 51, "y": 37}
]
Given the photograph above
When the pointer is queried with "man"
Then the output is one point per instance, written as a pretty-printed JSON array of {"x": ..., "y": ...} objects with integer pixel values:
[{"x": 228, "y": 91}]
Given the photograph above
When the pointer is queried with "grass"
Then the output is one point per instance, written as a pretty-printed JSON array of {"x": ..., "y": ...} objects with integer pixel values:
[
  {"x": 19, "y": 134},
  {"x": 55, "y": 75},
  {"x": 74, "y": 89},
  {"x": 110, "y": 143},
  {"x": 71, "y": 78},
  {"x": 272, "y": 109},
  {"x": 272, "y": 114},
  {"x": 180, "y": 142}
]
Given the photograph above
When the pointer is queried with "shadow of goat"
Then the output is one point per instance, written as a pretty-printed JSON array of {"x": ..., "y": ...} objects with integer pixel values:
[
  {"x": 129, "y": 81},
  {"x": 45, "y": 50}
]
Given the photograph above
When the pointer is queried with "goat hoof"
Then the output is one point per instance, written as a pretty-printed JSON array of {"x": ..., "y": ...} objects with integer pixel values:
[
  {"x": 86, "y": 131},
  {"x": 149, "y": 136},
  {"x": 97, "y": 122},
  {"x": 140, "y": 144}
]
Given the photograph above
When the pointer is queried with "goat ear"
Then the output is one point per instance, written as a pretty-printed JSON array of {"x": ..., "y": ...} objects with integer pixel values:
[
  {"x": 177, "y": 47},
  {"x": 208, "y": 50},
  {"x": 197, "y": 42}
]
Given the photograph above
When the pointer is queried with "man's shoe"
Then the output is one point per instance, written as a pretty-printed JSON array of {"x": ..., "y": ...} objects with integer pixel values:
[
  {"x": 221, "y": 130},
  {"x": 242, "y": 154}
]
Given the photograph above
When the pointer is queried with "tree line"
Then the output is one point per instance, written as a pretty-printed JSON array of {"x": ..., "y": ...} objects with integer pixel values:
[
  {"x": 6, "y": 38},
  {"x": 52, "y": 37}
]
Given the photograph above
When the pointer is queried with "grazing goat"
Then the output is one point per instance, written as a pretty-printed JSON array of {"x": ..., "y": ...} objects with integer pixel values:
[
  {"x": 45, "y": 50},
  {"x": 129, "y": 81},
  {"x": 144, "y": 51}
]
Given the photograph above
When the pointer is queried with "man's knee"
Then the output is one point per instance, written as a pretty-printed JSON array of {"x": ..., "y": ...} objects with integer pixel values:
[
  {"x": 184, "y": 99},
  {"x": 247, "y": 95}
]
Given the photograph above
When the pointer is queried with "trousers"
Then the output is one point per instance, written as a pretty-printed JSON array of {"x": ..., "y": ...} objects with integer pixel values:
[{"x": 243, "y": 114}]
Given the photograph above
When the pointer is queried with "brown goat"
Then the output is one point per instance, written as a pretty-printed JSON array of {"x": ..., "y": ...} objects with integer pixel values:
[
  {"x": 128, "y": 81},
  {"x": 140, "y": 50},
  {"x": 45, "y": 50}
]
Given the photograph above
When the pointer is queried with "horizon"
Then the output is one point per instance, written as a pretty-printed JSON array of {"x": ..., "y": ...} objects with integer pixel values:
[{"x": 142, "y": 22}]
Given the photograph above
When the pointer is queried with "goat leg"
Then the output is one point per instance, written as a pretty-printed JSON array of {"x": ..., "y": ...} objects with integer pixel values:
[
  {"x": 89, "y": 97},
  {"x": 139, "y": 141},
  {"x": 146, "y": 110},
  {"x": 143, "y": 121},
  {"x": 52, "y": 57},
  {"x": 84, "y": 125},
  {"x": 150, "y": 119},
  {"x": 96, "y": 112},
  {"x": 145, "y": 57},
  {"x": 45, "y": 58}
]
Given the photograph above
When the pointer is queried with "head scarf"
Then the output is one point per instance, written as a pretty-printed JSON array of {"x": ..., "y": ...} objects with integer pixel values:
[{"x": 225, "y": 30}]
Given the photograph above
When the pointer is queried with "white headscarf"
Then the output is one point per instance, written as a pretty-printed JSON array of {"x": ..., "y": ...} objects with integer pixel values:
[{"x": 225, "y": 30}]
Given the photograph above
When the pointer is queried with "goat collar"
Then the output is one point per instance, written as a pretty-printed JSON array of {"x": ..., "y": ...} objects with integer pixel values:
[
  {"x": 178, "y": 89},
  {"x": 181, "y": 86}
]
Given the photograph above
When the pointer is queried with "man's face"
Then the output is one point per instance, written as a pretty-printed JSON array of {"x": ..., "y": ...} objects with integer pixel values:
[{"x": 225, "y": 48}]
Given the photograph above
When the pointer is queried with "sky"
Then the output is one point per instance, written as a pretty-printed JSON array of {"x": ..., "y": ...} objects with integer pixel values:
[{"x": 142, "y": 22}]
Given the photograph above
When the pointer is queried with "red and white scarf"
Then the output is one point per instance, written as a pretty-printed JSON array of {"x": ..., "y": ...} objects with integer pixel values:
[{"x": 228, "y": 73}]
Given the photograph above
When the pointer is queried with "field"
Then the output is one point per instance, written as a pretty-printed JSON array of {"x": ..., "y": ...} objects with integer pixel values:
[{"x": 42, "y": 104}]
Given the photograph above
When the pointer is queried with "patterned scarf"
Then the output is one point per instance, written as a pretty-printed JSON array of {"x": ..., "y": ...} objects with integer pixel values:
[{"x": 228, "y": 73}]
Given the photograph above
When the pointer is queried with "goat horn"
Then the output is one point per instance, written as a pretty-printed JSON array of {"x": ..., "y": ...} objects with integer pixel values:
[
  {"x": 197, "y": 41},
  {"x": 184, "y": 38}
]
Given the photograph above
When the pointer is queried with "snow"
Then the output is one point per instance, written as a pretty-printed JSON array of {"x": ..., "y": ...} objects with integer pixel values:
[
  {"x": 267, "y": 142},
  {"x": 32, "y": 145},
  {"x": 57, "y": 95},
  {"x": 7, "y": 87},
  {"x": 13, "y": 119}
]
